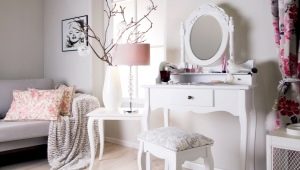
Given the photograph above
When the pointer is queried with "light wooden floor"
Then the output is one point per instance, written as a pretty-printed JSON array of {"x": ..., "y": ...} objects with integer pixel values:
[{"x": 116, "y": 157}]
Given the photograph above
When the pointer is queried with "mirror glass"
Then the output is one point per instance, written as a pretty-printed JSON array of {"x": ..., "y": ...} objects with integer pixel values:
[{"x": 205, "y": 37}]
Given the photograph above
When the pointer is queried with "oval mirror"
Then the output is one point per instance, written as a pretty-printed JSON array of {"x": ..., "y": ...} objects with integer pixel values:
[{"x": 205, "y": 35}]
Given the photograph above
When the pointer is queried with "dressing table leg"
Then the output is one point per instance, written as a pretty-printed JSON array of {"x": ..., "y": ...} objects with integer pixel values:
[
  {"x": 166, "y": 117},
  {"x": 243, "y": 124},
  {"x": 243, "y": 145},
  {"x": 252, "y": 131}
]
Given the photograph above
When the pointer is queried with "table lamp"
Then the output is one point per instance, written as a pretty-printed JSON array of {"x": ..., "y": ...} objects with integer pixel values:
[{"x": 132, "y": 55}]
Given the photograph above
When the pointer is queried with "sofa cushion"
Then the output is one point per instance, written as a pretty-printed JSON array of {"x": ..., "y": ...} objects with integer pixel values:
[
  {"x": 35, "y": 105},
  {"x": 66, "y": 102},
  {"x": 22, "y": 130},
  {"x": 7, "y": 87}
]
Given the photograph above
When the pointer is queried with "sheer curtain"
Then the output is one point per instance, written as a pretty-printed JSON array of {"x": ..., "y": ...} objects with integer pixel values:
[{"x": 286, "y": 25}]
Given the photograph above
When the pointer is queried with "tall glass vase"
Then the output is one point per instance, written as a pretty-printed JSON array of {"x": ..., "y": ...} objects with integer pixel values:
[{"x": 112, "y": 92}]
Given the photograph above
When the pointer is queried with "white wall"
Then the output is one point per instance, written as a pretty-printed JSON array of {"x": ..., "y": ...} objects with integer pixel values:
[
  {"x": 96, "y": 22},
  {"x": 21, "y": 34},
  {"x": 253, "y": 40},
  {"x": 65, "y": 66}
]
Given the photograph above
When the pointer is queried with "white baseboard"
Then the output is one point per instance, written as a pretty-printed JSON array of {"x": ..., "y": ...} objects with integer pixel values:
[{"x": 122, "y": 142}]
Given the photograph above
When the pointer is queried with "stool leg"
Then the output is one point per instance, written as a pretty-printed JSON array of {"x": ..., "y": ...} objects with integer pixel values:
[
  {"x": 141, "y": 157},
  {"x": 209, "y": 160},
  {"x": 174, "y": 162},
  {"x": 179, "y": 164},
  {"x": 148, "y": 161},
  {"x": 166, "y": 165}
]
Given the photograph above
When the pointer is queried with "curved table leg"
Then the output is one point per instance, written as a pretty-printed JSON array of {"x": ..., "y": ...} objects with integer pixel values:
[
  {"x": 101, "y": 137},
  {"x": 91, "y": 135},
  {"x": 243, "y": 140},
  {"x": 247, "y": 118},
  {"x": 244, "y": 133}
]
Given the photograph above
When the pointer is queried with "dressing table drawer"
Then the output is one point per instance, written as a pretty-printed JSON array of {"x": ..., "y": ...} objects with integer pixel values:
[{"x": 182, "y": 97}]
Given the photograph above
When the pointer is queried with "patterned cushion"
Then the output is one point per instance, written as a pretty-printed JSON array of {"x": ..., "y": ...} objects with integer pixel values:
[
  {"x": 8, "y": 86},
  {"x": 66, "y": 102},
  {"x": 35, "y": 105},
  {"x": 175, "y": 139}
]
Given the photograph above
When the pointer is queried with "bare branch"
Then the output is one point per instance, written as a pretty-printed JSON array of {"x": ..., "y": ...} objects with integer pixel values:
[
  {"x": 95, "y": 35},
  {"x": 136, "y": 23},
  {"x": 136, "y": 35},
  {"x": 107, "y": 14},
  {"x": 103, "y": 58},
  {"x": 107, "y": 5},
  {"x": 122, "y": 13},
  {"x": 140, "y": 35}
]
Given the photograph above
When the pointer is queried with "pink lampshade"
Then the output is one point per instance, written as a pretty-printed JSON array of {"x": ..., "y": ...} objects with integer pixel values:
[{"x": 132, "y": 54}]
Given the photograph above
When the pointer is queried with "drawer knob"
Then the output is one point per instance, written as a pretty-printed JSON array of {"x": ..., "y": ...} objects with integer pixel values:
[{"x": 190, "y": 97}]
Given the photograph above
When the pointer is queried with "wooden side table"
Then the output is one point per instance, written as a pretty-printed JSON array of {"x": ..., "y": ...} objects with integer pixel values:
[{"x": 101, "y": 115}]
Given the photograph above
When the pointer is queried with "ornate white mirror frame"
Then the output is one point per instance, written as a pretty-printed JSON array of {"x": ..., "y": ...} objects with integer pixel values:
[{"x": 227, "y": 28}]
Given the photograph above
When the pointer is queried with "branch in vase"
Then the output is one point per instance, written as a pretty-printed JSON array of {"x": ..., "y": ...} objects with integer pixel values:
[
  {"x": 106, "y": 58},
  {"x": 135, "y": 35}
]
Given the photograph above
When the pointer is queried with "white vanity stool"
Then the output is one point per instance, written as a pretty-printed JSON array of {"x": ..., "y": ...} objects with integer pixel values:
[{"x": 175, "y": 146}]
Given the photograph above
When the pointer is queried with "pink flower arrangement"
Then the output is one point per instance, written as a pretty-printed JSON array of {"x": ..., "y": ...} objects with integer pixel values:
[
  {"x": 276, "y": 28},
  {"x": 287, "y": 107},
  {"x": 289, "y": 64}
]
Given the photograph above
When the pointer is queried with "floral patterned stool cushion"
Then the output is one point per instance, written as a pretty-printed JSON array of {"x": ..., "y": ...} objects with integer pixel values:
[{"x": 174, "y": 139}]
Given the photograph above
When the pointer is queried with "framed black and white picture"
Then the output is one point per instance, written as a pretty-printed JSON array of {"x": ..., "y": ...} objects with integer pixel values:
[{"x": 72, "y": 37}]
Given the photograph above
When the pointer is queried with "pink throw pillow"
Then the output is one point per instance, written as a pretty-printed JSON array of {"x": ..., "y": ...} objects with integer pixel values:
[
  {"x": 35, "y": 105},
  {"x": 66, "y": 102}
]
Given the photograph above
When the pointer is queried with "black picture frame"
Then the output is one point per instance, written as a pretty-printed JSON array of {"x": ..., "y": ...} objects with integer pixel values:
[{"x": 72, "y": 38}]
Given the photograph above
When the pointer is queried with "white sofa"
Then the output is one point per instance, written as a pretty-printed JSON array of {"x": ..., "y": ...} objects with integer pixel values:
[{"x": 21, "y": 134}]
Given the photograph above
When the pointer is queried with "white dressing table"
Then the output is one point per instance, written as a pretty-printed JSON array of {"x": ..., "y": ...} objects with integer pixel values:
[
  {"x": 220, "y": 85},
  {"x": 235, "y": 99}
]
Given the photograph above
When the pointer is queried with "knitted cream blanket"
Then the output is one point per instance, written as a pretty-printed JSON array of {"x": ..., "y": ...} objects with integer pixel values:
[{"x": 68, "y": 145}]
